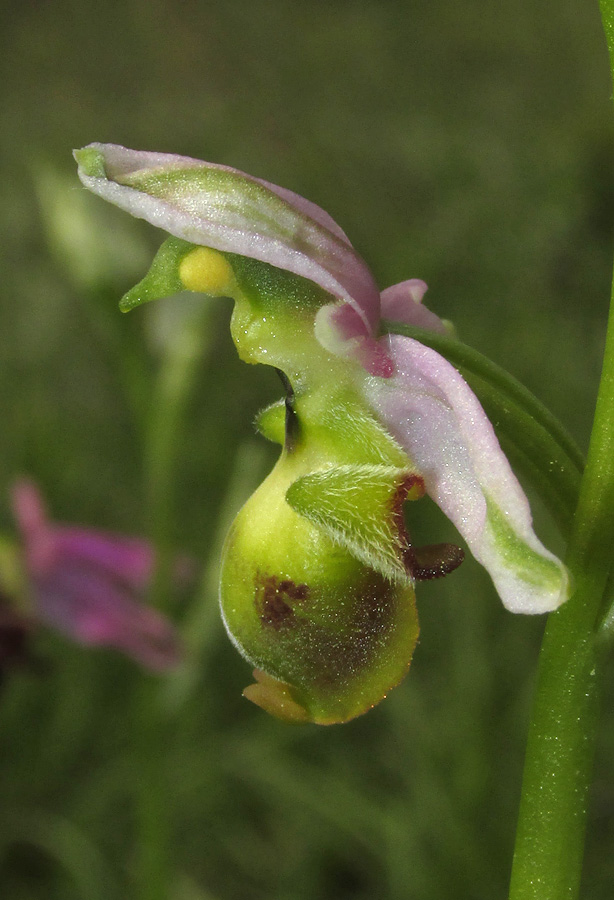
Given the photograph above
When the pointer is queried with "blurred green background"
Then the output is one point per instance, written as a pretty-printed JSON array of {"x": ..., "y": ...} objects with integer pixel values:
[{"x": 466, "y": 144}]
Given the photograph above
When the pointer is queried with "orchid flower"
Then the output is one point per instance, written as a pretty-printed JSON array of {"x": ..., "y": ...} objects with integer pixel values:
[
  {"x": 318, "y": 571},
  {"x": 87, "y": 584}
]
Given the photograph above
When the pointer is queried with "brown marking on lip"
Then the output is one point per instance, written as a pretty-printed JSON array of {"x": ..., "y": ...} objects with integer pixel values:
[
  {"x": 274, "y": 598},
  {"x": 422, "y": 563},
  {"x": 409, "y": 482},
  {"x": 296, "y": 592},
  {"x": 334, "y": 657}
]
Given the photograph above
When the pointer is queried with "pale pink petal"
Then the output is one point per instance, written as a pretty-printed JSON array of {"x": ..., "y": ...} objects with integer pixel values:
[
  {"x": 403, "y": 303},
  {"x": 28, "y": 507},
  {"x": 126, "y": 558},
  {"x": 97, "y": 611},
  {"x": 306, "y": 207},
  {"x": 342, "y": 332},
  {"x": 439, "y": 422},
  {"x": 31, "y": 519}
]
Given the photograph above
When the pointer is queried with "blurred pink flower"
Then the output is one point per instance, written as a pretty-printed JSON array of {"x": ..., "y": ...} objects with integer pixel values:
[{"x": 88, "y": 584}]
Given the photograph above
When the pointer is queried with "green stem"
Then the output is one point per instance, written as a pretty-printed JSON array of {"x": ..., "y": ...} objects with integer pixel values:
[
  {"x": 550, "y": 836},
  {"x": 182, "y": 354},
  {"x": 183, "y": 349},
  {"x": 558, "y": 767},
  {"x": 153, "y": 863}
]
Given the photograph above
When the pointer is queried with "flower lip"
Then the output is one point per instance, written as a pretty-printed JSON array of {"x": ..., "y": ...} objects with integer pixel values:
[{"x": 226, "y": 209}]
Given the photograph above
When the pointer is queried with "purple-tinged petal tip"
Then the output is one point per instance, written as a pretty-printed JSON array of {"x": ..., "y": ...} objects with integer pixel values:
[{"x": 339, "y": 330}]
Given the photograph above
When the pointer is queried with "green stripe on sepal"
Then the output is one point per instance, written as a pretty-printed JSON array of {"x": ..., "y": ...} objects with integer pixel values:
[
  {"x": 239, "y": 198},
  {"x": 91, "y": 162},
  {"x": 519, "y": 561}
]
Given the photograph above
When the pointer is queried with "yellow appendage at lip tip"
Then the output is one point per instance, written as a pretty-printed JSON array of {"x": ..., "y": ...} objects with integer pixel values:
[
  {"x": 206, "y": 271},
  {"x": 274, "y": 697}
]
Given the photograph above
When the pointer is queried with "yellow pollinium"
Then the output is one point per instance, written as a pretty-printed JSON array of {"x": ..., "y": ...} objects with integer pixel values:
[{"x": 206, "y": 271}]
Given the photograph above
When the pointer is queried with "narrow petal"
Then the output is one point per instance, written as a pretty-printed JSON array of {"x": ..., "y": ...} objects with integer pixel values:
[
  {"x": 31, "y": 518},
  {"x": 130, "y": 560},
  {"x": 28, "y": 507},
  {"x": 220, "y": 207},
  {"x": 438, "y": 420},
  {"x": 47, "y": 544},
  {"x": 403, "y": 303}
]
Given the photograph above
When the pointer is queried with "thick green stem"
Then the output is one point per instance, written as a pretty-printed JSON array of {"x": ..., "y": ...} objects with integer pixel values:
[
  {"x": 550, "y": 837},
  {"x": 558, "y": 767}
]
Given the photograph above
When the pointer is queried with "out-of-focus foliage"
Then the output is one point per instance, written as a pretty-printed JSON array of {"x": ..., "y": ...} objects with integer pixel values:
[{"x": 466, "y": 144}]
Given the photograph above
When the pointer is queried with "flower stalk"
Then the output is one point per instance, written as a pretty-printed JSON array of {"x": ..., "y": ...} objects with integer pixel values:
[
  {"x": 559, "y": 760},
  {"x": 560, "y": 749},
  {"x": 183, "y": 347}
]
